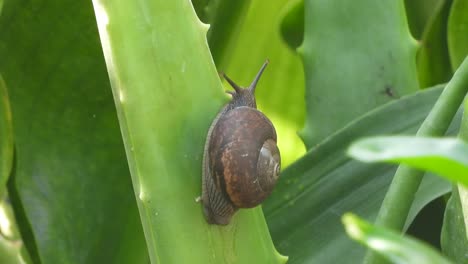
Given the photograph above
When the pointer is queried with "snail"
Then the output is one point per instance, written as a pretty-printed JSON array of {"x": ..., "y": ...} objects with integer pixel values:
[{"x": 241, "y": 162}]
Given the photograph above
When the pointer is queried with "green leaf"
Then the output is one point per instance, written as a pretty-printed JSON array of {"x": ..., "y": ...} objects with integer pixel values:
[
  {"x": 463, "y": 191},
  {"x": 202, "y": 8},
  {"x": 314, "y": 192},
  {"x": 6, "y": 137},
  {"x": 405, "y": 183},
  {"x": 225, "y": 24},
  {"x": 10, "y": 247},
  {"x": 392, "y": 245},
  {"x": 9, "y": 252},
  {"x": 166, "y": 96},
  {"x": 432, "y": 59},
  {"x": 447, "y": 157},
  {"x": 357, "y": 56},
  {"x": 458, "y": 32},
  {"x": 292, "y": 24},
  {"x": 454, "y": 239},
  {"x": 280, "y": 93},
  {"x": 71, "y": 189},
  {"x": 420, "y": 13}
]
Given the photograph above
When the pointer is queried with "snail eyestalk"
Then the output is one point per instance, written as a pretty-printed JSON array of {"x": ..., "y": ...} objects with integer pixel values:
[
  {"x": 232, "y": 83},
  {"x": 257, "y": 78}
]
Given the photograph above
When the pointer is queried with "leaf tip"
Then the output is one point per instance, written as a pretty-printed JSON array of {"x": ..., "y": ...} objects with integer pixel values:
[
  {"x": 352, "y": 226},
  {"x": 300, "y": 50},
  {"x": 359, "y": 151}
]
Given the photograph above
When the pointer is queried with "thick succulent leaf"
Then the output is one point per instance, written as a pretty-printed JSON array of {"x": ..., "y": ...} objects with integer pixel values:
[
  {"x": 432, "y": 60},
  {"x": 351, "y": 64},
  {"x": 315, "y": 191},
  {"x": 420, "y": 13},
  {"x": 392, "y": 245},
  {"x": 454, "y": 239},
  {"x": 166, "y": 96},
  {"x": 447, "y": 157},
  {"x": 458, "y": 32},
  {"x": 280, "y": 93},
  {"x": 71, "y": 188}
]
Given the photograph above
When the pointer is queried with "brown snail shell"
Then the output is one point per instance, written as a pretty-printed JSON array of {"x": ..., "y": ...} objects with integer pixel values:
[{"x": 241, "y": 162}]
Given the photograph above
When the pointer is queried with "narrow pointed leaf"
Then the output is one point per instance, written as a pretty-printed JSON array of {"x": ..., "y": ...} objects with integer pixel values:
[
  {"x": 392, "y": 245},
  {"x": 447, "y": 157}
]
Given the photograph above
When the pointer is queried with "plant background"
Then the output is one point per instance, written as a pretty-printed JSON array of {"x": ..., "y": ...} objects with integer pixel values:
[{"x": 69, "y": 185}]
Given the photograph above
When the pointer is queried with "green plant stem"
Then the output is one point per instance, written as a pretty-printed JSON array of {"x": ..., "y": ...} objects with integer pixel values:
[
  {"x": 397, "y": 248},
  {"x": 400, "y": 195}
]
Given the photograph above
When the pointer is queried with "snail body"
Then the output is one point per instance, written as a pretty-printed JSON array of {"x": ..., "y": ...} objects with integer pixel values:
[{"x": 241, "y": 161}]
